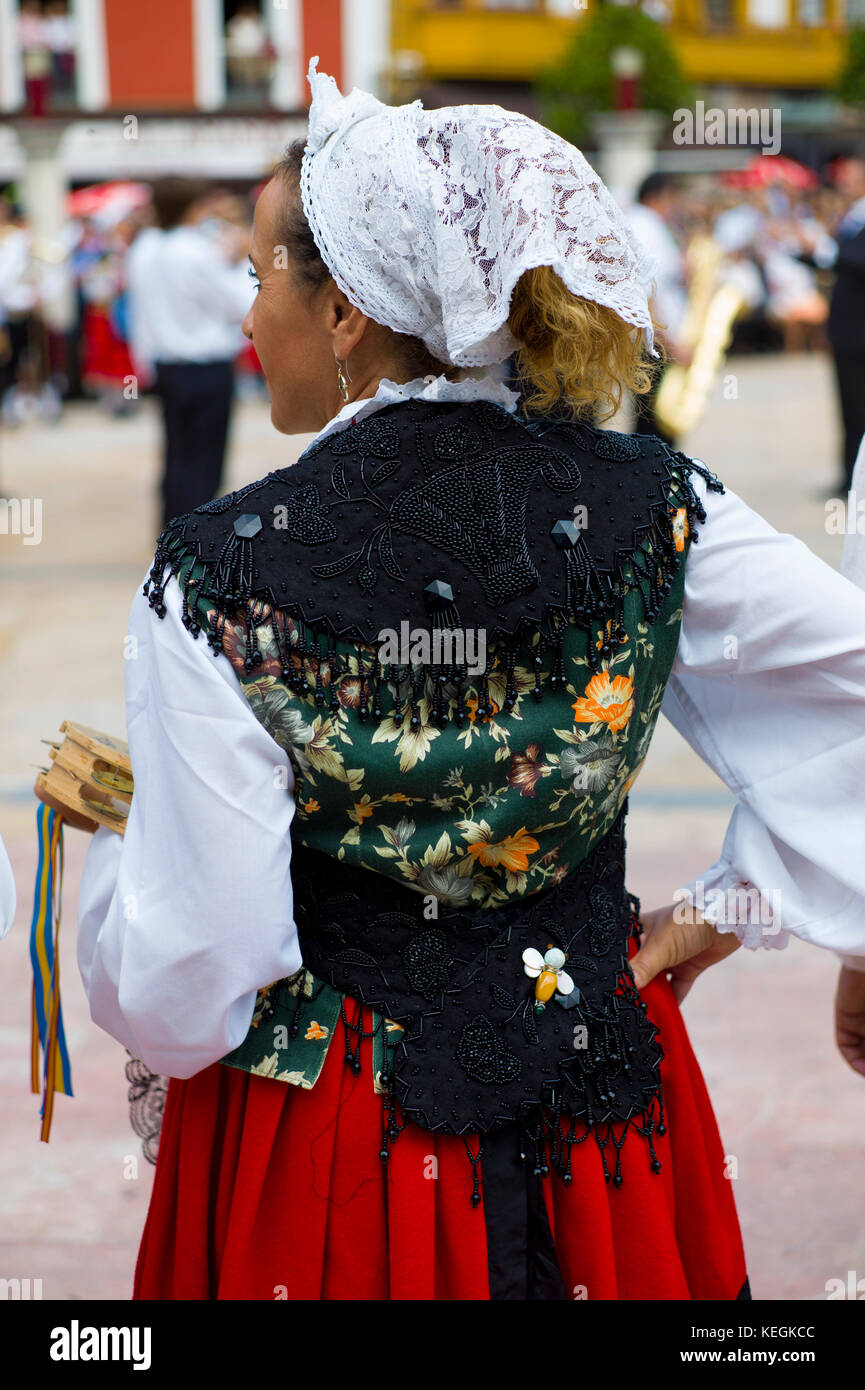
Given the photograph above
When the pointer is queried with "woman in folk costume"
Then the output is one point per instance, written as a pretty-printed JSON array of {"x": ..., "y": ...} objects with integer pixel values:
[{"x": 370, "y": 911}]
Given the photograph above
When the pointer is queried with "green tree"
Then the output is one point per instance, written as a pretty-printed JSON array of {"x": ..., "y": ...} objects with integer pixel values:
[
  {"x": 851, "y": 82},
  {"x": 582, "y": 83}
]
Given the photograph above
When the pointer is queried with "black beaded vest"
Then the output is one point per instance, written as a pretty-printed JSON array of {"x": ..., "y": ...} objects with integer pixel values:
[{"x": 458, "y": 848}]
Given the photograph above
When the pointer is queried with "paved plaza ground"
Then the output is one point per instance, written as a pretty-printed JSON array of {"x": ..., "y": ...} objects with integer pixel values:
[{"x": 789, "y": 1110}]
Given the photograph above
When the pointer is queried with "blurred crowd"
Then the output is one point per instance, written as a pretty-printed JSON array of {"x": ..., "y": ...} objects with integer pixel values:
[
  {"x": 66, "y": 329},
  {"x": 768, "y": 258},
  {"x": 70, "y": 326},
  {"x": 766, "y": 236}
]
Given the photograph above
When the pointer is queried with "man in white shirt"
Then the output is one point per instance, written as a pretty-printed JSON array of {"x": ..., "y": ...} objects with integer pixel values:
[
  {"x": 18, "y": 294},
  {"x": 846, "y": 326},
  {"x": 188, "y": 294},
  {"x": 650, "y": 220}
]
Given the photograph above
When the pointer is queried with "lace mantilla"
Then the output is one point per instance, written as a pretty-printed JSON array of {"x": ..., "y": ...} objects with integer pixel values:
[
  {"x": 441, "y": 515},
  {"x": 427, "y": 219}
]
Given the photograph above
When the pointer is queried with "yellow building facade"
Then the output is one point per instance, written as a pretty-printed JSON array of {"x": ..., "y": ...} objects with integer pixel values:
[{"x": 795, "y": 44}]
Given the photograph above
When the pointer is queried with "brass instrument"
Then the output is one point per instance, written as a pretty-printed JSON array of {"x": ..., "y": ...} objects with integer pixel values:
[{"x": 707, "y": 329}]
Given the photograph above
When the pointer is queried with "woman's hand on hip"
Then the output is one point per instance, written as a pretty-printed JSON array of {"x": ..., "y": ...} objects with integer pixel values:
[
  {"x": 682, "y": 950},
  {"x": 850, "y": 1018}
]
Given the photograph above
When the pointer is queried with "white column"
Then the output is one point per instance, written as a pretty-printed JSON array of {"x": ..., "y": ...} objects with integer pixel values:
[
  {"x": 43, "y": 198},
  {"x": 285, "y": 26},
  {"x": 209, "y": 46},
  {"x": 11, "y": 72},
  {"x": 365, "y": 44},
  {"x": 91, "y": 56},
  {"x": 627, "y": 143}
]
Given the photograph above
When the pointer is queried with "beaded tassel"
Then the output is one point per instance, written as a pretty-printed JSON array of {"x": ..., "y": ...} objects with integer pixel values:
[
  {"x": 363, "y": 708},
  {"x": 392, "y": 1126},
  {"x": 594, "y": 602},
  {"x": 510, "y": 680},
  {"x": 353, "y": 1033},
  {"x": 376, "y": 690},
  {"x": 475, "y": 1160}
]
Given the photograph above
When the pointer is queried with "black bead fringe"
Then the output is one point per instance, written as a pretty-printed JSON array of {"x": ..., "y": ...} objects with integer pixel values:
[
  {"x": 547, "y": 1134},
  {"x": 308, "y": 657}
]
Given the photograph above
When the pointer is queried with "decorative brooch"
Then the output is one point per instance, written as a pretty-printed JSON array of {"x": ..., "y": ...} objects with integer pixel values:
[{"x": 549, "y": 976}]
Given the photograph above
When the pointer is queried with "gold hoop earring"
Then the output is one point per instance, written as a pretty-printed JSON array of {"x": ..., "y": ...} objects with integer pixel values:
[{"x": 342, "y": 377}]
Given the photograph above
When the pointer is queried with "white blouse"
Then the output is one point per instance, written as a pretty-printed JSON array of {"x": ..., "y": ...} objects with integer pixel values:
[
  {"x": 7, "y": 891},
  {"x": 184, "y": 918}
]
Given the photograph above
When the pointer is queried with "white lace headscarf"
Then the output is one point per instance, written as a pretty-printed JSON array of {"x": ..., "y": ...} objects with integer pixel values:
[{"x": 427, "y": 219}]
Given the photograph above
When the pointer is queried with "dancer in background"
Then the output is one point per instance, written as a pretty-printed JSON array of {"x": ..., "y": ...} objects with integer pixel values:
[
  {"x": 187, "y": 297},
  {"x": 651, "y": 221},
  {"x": 846, "y": 325}
]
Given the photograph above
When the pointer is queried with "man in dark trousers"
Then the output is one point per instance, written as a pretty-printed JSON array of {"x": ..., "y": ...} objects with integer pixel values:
[
  {"x": 188, "y": 294},
  {"x": 652, "y": 220},
  {"x": 846, "y": 326}
]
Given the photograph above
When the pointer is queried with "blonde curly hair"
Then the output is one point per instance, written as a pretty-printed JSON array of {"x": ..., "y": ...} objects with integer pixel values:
[{"x": 575, "y": 355}]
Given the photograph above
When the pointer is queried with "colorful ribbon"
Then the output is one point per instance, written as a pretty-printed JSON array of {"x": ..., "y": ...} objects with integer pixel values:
[{"x": 46, "y": 1014}]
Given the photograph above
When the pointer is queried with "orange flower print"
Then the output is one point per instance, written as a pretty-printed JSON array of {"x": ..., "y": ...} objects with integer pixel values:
[
  {"x": 315, "y": 1032},
  {"x": 310, "y": 806},
  {"x": 349, "y": 692},
  {"x": 606, "y": 701},
  {"x": 360, "y": 812},
  {"x": 681, "y": 530},
  {"x": 605, "y": 634},
  {"x": 472, "y": 708},
  {"x": 510, "y": 853}
]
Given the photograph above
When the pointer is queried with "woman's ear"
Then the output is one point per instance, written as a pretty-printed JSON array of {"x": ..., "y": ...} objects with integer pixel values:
[{"x": 349, "y": 325}]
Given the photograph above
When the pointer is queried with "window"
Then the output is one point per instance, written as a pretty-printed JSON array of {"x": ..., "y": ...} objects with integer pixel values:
[
  {"x": 719, "y": 14},
  {"x": 812, "y": 12},
  {"x": 47, "y": 41},
  {"x": 249, "y": 54},
  {"x": 769, "y": 14}
]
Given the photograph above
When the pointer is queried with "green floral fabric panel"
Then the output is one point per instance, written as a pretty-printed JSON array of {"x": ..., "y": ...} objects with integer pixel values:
[
  {"x": 290, "y": 1043},
  {"x": 480, "y": 815},
  {"x": 292, "y": 1027}
]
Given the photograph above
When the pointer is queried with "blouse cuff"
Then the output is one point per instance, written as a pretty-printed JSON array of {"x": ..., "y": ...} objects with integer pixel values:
[{"x": 733, "y": 904}]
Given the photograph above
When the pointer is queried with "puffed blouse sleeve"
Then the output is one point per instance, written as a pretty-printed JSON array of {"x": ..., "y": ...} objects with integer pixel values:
[
  {"x": 181, "y": 920},
  {"x": 768, "y": 687},
  {"x": 7, "y": 891}
]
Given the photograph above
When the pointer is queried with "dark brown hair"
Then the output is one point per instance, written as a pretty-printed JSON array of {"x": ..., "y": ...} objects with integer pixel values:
[{"x": 173, "y": 197}]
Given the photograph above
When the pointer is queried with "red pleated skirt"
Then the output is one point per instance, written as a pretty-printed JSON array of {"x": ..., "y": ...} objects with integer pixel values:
[{"x": 266, "y": 1191}]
